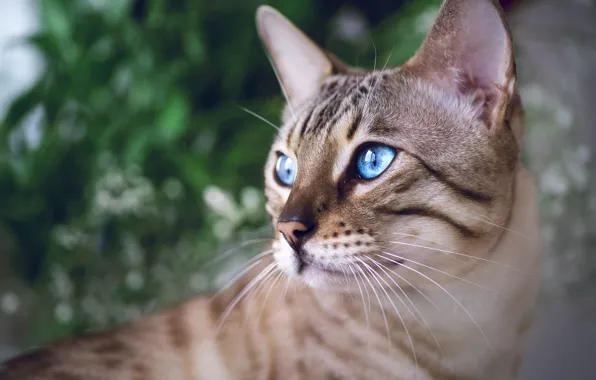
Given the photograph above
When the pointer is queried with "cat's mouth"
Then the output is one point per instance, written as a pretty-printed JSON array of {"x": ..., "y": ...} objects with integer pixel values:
[{"x": 307, "y": 263}]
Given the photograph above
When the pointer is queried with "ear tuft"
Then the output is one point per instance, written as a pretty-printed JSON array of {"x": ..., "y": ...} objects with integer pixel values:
[
  {"x": 469, "y": 52},
  {"x": 300, "y": 64}
]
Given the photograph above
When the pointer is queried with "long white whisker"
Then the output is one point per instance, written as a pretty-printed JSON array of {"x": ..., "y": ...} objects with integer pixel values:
[
  {"x": 255, "y": 261},
  {"x": 225, "y": 254},
  {"x": 427, "y": 298},
  {"x": 257, "y": 289},
  {"x": 283, "y": 88},
  {"x": 440, "y": 271},
  {"x": 367, "y": 295},
  {"x": 456, "y": 253},
  {"x": 448, "y": 294},
  {"x": 382, "y": 267},
  {"x": 285, "y": 293},
  {"x": 269, "y": 291},
  {"x": 487, "y": 221},
  {"x": 361, "y": 295},
  {"x": 378, "y": 80},
  {"x": 424, "y": 239},
  {"x": 241, "y": 295},
  {"x": 374, "y": 47},
  {"x": 380, "y": 303},
  {"x": 259, "y": 117},
  {"x": 342, "y": 268},
  {"x": 376, "y": 277}
]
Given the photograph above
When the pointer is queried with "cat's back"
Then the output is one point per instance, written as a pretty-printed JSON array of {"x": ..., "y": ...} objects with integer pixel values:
[
  {"x": 182, "y": 342},
  {"x": 156, "y": 347}
]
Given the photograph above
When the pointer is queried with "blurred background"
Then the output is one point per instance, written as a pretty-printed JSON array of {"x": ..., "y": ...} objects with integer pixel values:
[{"x": 127, "y": 163}]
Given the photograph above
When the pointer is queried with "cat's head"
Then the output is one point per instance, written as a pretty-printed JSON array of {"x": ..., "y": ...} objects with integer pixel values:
[{"x": 405, "y": 172}]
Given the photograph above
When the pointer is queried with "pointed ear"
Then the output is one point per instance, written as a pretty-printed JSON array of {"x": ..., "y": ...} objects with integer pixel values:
[
  {"x": 301, "y": 65},
  {"x": 469, "y": 52}
]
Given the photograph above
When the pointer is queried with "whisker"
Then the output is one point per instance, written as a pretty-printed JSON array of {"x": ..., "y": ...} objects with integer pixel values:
[
  {"x": 342, "y": 267},
  {"x": 254, "y": 294},
  {"x": 485, "y": 219},
  {"x": 255, "y": 261},
  {"x": 504, "y": 228},
  {"x": 449, "y": 295},
  {"x": 241, "y": 295},
  {"x": 259, "y": 117},
  {"x": 382, "y": 267},
  {"x": 283, "y": 88},
  {"x": 380, "y": 304},
  {"x": 440, "y": 271},
  {"x": 378, "y": 81},
  {"x": 377, "y": 277},
  {"x": 423, "y": 239},
  {"x": 427, "y": 298},
  {"x": 434, "y": 242},
  {"x": 225, "y": 254},
  {"x": 368, "y": 298},
  {"x": 361, "y": 295},
  {"x": 269, "y": 291},
  {"x": 374, "y": 47},
  {"x": 456, "y": 253},
  {"x": 285, "y": 293}
]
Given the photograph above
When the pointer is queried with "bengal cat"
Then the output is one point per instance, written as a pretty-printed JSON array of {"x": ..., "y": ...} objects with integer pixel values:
[{"x": 406, "y": 242}]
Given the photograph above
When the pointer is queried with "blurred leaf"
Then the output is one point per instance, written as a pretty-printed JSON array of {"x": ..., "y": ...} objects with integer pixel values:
[
  {"x": 173, "y": 120},
  {"x": 21, "y": 107},
  {"x": 55, "y": 18}
]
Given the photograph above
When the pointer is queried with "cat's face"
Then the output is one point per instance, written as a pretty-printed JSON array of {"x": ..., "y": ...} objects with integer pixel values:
[{"x": 393, "y": 175}]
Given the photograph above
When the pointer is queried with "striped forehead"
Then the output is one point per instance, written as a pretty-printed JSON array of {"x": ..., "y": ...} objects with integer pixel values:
[
  {"x": 333, "y": 125},
  {"x": 326, "y": 115}
]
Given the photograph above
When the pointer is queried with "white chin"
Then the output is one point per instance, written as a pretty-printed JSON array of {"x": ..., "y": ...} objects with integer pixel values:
[
  {"x": 309, "y": 274},
  {"x": 320, "y": 279}
]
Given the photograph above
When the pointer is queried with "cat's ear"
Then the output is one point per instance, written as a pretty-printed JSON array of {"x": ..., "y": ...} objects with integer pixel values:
[
  {"x": 302, "y": 65},
  {"x": 469, "y": 52}
]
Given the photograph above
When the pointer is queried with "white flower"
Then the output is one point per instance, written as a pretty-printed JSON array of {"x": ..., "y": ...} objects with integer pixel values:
[
  {"x": 221, "y": 203},
  {"x": 63, "y": 312},
  {"x": 9, "y": 303}
]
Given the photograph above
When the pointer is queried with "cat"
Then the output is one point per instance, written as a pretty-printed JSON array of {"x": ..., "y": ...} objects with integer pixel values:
[{"x": 406, "y": 229}]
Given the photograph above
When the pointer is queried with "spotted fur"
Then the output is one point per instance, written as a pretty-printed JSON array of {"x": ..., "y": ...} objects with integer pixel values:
[{"x": 428, "y": 271}]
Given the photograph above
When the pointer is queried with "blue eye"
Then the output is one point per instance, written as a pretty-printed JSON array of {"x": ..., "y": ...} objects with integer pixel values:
[
  {"x": 285, "y": 169},
  {"x": 374, "y": 160}
]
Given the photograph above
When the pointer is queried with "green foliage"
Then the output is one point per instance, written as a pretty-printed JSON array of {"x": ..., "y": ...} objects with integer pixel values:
[{"x": 107, "y": 215}]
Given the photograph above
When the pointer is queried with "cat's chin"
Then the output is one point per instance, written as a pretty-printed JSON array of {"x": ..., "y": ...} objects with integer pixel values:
[{"x": 318, "y": 277}]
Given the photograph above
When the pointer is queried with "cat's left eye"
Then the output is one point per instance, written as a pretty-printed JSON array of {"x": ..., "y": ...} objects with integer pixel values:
[
  {"x": 373, "y": 160},
  {"x": 285, "y": 170}
]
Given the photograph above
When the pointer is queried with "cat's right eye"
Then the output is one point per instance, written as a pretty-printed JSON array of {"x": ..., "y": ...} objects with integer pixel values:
[
  {"x": 374, "y": 160},
  {"x": 285, "y": 170}
]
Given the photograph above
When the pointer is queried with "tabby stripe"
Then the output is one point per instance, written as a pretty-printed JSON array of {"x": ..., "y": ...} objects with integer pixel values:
[
  {"x": 327, "y": 112},
  {"x": 180, "y": 339},
  {"x": 345, "y": 107},
  {"x": 140, "y": 371},
  {"x": 335, "y": 107},
  {"x": 457, "y": 188},
  {"x": 306, "y": 121},
  {"x": 354, "y": 126},
  {"x": 430, "y": 213},
  {"x": 352, "y": 102}
]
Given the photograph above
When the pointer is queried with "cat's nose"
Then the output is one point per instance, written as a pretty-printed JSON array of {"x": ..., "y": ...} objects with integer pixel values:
[{"x": 294, "y": 232}]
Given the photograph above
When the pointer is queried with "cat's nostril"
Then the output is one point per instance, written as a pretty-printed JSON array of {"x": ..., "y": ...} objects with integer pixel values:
[{"x": 293, "y": 231}]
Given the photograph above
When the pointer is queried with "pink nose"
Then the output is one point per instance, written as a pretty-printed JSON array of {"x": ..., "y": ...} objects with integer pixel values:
[{"x": 293, "y": 231}]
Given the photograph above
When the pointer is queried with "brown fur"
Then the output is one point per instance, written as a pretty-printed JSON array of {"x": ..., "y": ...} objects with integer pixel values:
[{"x": 436, "y": 260}]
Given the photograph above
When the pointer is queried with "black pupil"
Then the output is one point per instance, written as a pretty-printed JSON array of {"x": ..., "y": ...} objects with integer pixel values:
[
  {"x": 288, "y": 167},
  {"x": 374, "y": 159}
]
